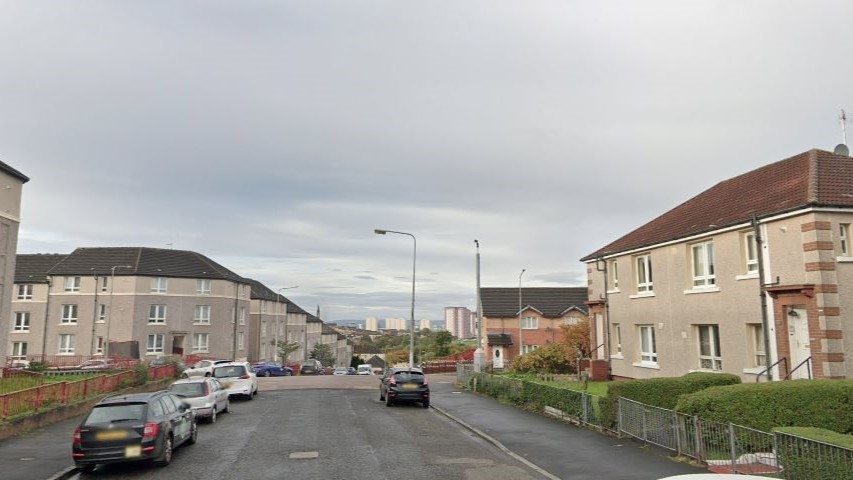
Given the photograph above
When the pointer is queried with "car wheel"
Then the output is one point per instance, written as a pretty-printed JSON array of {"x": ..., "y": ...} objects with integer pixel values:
[
  {"x": 212, "y": 417},
  {"x": 267, "y": 373},
  {"x": 207, "y": 374},
  {"x": 250, "y": 397},
  {"x": 425, "y": 404},
  {"x": 381, "y": 397},
  {"x": 388, "y": 401},
  {"x": 227, "y": 408},
  {"x": 166, "y": 456},
  {"x": 86, "y": 467},
  {"x": 194, "y": 435}
]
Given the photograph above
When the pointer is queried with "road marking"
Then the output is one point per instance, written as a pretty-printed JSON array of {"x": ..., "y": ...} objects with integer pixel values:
[
  {"x": 27, "y": 459},
  {"x": 304, "y": 455}
]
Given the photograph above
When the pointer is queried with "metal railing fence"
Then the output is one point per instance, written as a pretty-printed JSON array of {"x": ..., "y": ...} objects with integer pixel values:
[{"x": 812, "y": 459}]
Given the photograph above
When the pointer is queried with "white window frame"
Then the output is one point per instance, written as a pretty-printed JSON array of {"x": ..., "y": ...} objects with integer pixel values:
[
  {"x": 751, "y": 263},
  {"x": 617, "y": 330},
  {"x": 25, "y": 291},
  {"x": 69, "y": 314},
  {"x": 529, "y": 323},
  {"x": 844, "y": 238},
  {"x": 72, "y": 284},
  {"x": 157, "y": 314},
  {"x": 198, "y": 347},
  {"x": 102, "y": 313},
  {"x": 105, "y": 283},
  {"x": 526, "y": 348},
  {"x": 712, "y": 358},
  {"x": 706, "y": 278},
  {"x": 99, "y": 345},
  {"x": 264, "y": 328},
  {"x": 159, "y": 285},
  {"x": 240, "y": 339},
  {"x": 645, "y": 283},
  {"x": 201, "y": 315},
  {"x": 242, "y": 315},
  {"x": 202, "y": 286},
  {"x": 648, "y": 357},
  {"x": 157, "y": 346},
  {"x": 756, "y": 338},
  {"x": 614, "y": 275},
  {"x": 22, "y": 322},
  {"x": 19, "y": 350},
  {"x": 67, "y": 344}
]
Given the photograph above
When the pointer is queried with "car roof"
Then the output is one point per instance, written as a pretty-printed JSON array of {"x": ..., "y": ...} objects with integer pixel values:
[
  {"x": 231, "y": 364},
  {"x": 407, "y": 369},
  {"x": 192, "y": 380},
  {"x": 132, "y": 397}
]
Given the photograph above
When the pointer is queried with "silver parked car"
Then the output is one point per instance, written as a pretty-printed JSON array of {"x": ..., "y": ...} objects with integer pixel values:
[{"x": 205, "y": 395}]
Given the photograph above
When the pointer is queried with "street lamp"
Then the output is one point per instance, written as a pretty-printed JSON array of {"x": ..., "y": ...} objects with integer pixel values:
[
  {"x": 278, "y": 292},
  {"x": 520, "y": 326},
  {"x": 480, "y": 353},
  {"x": 110, "y": 308},
  {"x": 414, "y": 263}
]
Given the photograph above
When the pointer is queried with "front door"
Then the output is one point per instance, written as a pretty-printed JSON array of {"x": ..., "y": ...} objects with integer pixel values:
[
  {"x": 178, "y": 345},
  {"x": 798, "y": 337},
  {"x": 498, "y": 357}
]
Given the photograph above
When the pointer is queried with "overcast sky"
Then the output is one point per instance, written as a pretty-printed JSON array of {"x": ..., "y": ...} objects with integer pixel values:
[{"x": 275, "y": 136}]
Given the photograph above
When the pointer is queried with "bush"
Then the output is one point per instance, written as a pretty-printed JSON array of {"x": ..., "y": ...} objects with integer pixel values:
[
  {"x": 37, "y": 367},
  {"x": 813, "y": 461},
  {"x": 141, "y": 374},
  {"x": 764, "y": 406},
  {"x": 529, "y": 395},
  {"x": 661, "y": 392},
  {"x": 551, "y": 358}
]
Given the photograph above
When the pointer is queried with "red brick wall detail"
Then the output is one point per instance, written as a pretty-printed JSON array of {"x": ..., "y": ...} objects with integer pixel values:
[
  {"x": 816, "y": 266},
  {"x": 812, "y": 246},
  {"x": 831, "y": 311},
  {"x": 826, "y": 288},
  {"x": 808, "y": 227},
  {"x": 832, "y": 334},
  {"x": 782, "y": 302},
  {"x": 826, "y": 357}
]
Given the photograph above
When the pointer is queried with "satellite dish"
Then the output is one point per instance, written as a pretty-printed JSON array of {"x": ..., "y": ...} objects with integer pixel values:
[{"x": 842, "y": 149}]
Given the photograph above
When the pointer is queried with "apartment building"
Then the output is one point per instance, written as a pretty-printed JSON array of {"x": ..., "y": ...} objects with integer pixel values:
[
  {"x": 313, "y": 333},
  {"x": 29, "y": 303},
  {"x": 297, "y": 331},
  {"x": 457, "y": 321},
  {"x": 424, "y": 324},
  {"x": 393, "y": 323},
  {"x": 12, "y": 183},
  {"x": 268, "y": 322},
  {"x": 160, "y": 301},
  {"x": 371, "y": 324},
  {"x": 682, "y": 293},
  {"x": 511, "y": 331}
]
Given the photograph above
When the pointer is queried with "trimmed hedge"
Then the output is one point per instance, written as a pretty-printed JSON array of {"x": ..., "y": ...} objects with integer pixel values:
[
  {"x": 797, "y": 403},
  {"x": 529, "y": 395},
  {"x": 806, "y": 460},
  {"x": 662, "y": 392}
]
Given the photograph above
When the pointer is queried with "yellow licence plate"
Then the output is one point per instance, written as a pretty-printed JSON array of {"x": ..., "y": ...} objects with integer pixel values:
[
  {"x": 133, "y": 450},
  {"x": 410, "y": 386},
  {"x": 111, "y": 435}
]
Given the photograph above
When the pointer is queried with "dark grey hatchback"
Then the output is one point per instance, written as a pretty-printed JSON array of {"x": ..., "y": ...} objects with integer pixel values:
[
  {"x": 130, "y": 428},
  {"x": 404, "y": 385}
]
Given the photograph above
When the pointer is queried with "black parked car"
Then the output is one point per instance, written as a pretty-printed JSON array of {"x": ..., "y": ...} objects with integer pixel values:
[
  {"x": 404, "y": 385},
  {"x": 130, "y": 428},
  {"x": 311, "y": 367}
]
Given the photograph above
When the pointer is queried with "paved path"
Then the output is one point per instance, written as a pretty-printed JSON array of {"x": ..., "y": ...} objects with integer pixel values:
[{"x": 562, "y": 449}]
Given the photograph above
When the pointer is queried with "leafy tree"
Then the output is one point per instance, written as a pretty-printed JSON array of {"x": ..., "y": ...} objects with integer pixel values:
[
  {"x": 576, "y": 336},
  {"x": 286, "y": 348},
  {"x": 355, "y": 361},
  {"x": 442, "y": 342},
  {"x": 323, "y": 352},
  {"x": 397, "y": 356}
]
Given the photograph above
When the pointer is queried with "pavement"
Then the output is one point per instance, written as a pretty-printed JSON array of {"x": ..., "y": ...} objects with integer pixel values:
[{"x": 562, "y": 449}]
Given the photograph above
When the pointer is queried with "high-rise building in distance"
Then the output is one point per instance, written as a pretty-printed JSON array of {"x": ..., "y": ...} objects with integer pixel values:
[
  {"x": 371, "y": 324},
  {"x": 457, "y": 321}
]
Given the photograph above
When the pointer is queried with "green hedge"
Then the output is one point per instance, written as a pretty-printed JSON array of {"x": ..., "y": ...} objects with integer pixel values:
[
  {"x": 661, "y": 392},
  {"x": 797, "y": 403},
  {"x": 529, "y": 395},
  {"x": 806, "y": 460}
]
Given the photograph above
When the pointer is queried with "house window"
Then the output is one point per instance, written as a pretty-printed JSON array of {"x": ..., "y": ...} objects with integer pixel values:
[
  {"x": 200, "y": 343},
  {"x": 750, "y": 252},
  {"x": 99, "y": 345},
  {"x": 104, "y": 285},
  {"x": 69, "y": 314},
  {"x": 159, "y": 285},
  {"x": 22, "y": 322},
  {"x": 242, "y": 315},
  {"x": 530, "y": 323},
  {"x": 66, "y": 344},
  {"x": 157, "y": 314},
  {"x": 844, "y": 238},
  {"x": 25, "y": 292},
  {"x": 102, "y": 313},
  {"x": 155, "y": 343},
  {"x": 202, "y": 314},
  {"x": 709, "y": 347},
  {"x": 19, "y": 349},
  {"x": 263, "y": 328},
  {"x": 648, "y": 349},
  {"x": 703, "y": 264},
  {"x": 72, "y": 284},
  {"x": 614, "y": 275},
  {"x": 240, "y": 340},
  {"x": 528, "y": 348},
  {"x": 756, "y": 340},
  {"x": 617, "y": 337},
  {"x": 202, "y": 286},
  {"x": 644, "y": 273}
]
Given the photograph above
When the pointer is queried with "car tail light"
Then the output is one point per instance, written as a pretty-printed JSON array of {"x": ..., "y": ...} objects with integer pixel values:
[
  {"x": 150, "y": 432},
  {"x": 245, "y": 377},
  {"x": 392, "y": 381},
  {"x": 77, "y": 440}
]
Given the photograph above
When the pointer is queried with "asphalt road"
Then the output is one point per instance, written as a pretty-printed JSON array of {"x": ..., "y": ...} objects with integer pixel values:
[{"x": 343, "y": 434}]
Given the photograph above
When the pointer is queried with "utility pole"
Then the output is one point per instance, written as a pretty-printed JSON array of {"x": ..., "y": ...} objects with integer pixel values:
[
  {"x": 520, "y": 326},
  {"x": 765, "y": 323},
  {"x": 480, "y": 353}
]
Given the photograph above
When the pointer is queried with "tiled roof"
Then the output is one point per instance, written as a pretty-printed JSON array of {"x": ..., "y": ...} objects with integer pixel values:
[
  {"x": 815, "y": 178},
  {"x": 262, "y": 292},
  {"x": 144, "y": 261},
  {"x": 551, "y": 301},
  {"x": 294, "y": 308},
  {"x": 33, "y": 268},
  {"x": 313, "y": 319},
  {"x": 13, "y": 172}
]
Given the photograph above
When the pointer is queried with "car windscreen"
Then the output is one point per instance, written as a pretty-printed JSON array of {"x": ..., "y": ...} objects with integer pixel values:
[
  {"x": 195, "y": 389},
  {"x": 340, "y": 369},
  {"x": 362, "y": 368},
  {"x": 229, "y": 371},
  {"x": 404, "y": 377},
  {"x": 116, "y": 413}
]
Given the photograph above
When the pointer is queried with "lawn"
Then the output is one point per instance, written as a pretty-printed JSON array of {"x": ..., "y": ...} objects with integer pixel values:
[
  {"x": 593, "y": 388},
  {"x": 13, "y": 384}
]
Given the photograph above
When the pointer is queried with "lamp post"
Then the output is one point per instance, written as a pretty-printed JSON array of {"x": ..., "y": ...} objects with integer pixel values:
[
  {"x": 480, "y": 353},
  {"x": 110, "y": 308},
  {"x": 278, "y": 293},
  {"x": 520, "y": 326},
  {"x": 414, "y": 263}
]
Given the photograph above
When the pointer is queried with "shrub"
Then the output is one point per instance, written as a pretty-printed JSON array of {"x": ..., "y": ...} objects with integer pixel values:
[
  {"x": 37, "y": 367},
  {"x": 529, "y": 395},
  {"x": 141, "y": 374},
  {"x": 661, "y": 392},
  {"x": 764, "y": 406},
  {"x": 813, "y": 461},
  {"x": 551, "y": 358}
]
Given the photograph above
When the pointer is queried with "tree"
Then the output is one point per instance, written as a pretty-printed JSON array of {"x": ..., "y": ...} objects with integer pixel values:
[
  {"x": 442, "y": 342},
  {"x": 576, "y": 336},
  {"x": 355, "y": 361},
  {"x": 323, "y": 352},
  {"x": 286, "y": 348}
]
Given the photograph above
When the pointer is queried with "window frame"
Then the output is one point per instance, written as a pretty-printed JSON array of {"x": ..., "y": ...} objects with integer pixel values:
[
  {"x": 197, "y": 345},
  {"x": 99, "y": 345},
  {"x": 242, "y": 316},
  {"x": 102, "y": 313},
  {"x": 714, "y": 356},
  {"x": 650, "y": 357},
  {"x": 201, "y": 319},
  {"x": 613, "y": 269},
  {"x": 707, "y": 278},
  {"x": 104, "y": 283},
  {"x": 25, "y": 291},
  {"x": 200, "y": 286},
  {"x": 155, "y": 319},
  {"x": 756, "y": 340},
  {"x": 155, "y": 349},
  {"x": 66, "y": 318},
  {"x": 617, "y": 329},
  {"x": 263, "y": 328},
  {"x": 21, "y": 327},
  {"x": 159, "y": 285},
  {"x": 15, "y": 353},
  {"x": 74, "y": 284},
  {"x": 69, "y": 347},
  {"x": 750, "y": 264},
  {"x": 528, "y": 348},
  {"x": 528, "y": 321},
  {"x": 844, "y": 239},
  {"x": 240, "y": 340},
  {"x": 646, "y": 286}
]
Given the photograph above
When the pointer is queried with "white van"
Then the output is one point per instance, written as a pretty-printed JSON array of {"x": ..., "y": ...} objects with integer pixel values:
[{"x": 365, "y": 369}]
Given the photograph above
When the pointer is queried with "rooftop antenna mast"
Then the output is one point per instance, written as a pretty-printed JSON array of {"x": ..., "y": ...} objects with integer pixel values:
[{"x": 843, "y": 120}]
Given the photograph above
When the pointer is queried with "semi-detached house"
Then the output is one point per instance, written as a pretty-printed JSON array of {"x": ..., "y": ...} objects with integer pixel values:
[{"x": 682, "y": 293}]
